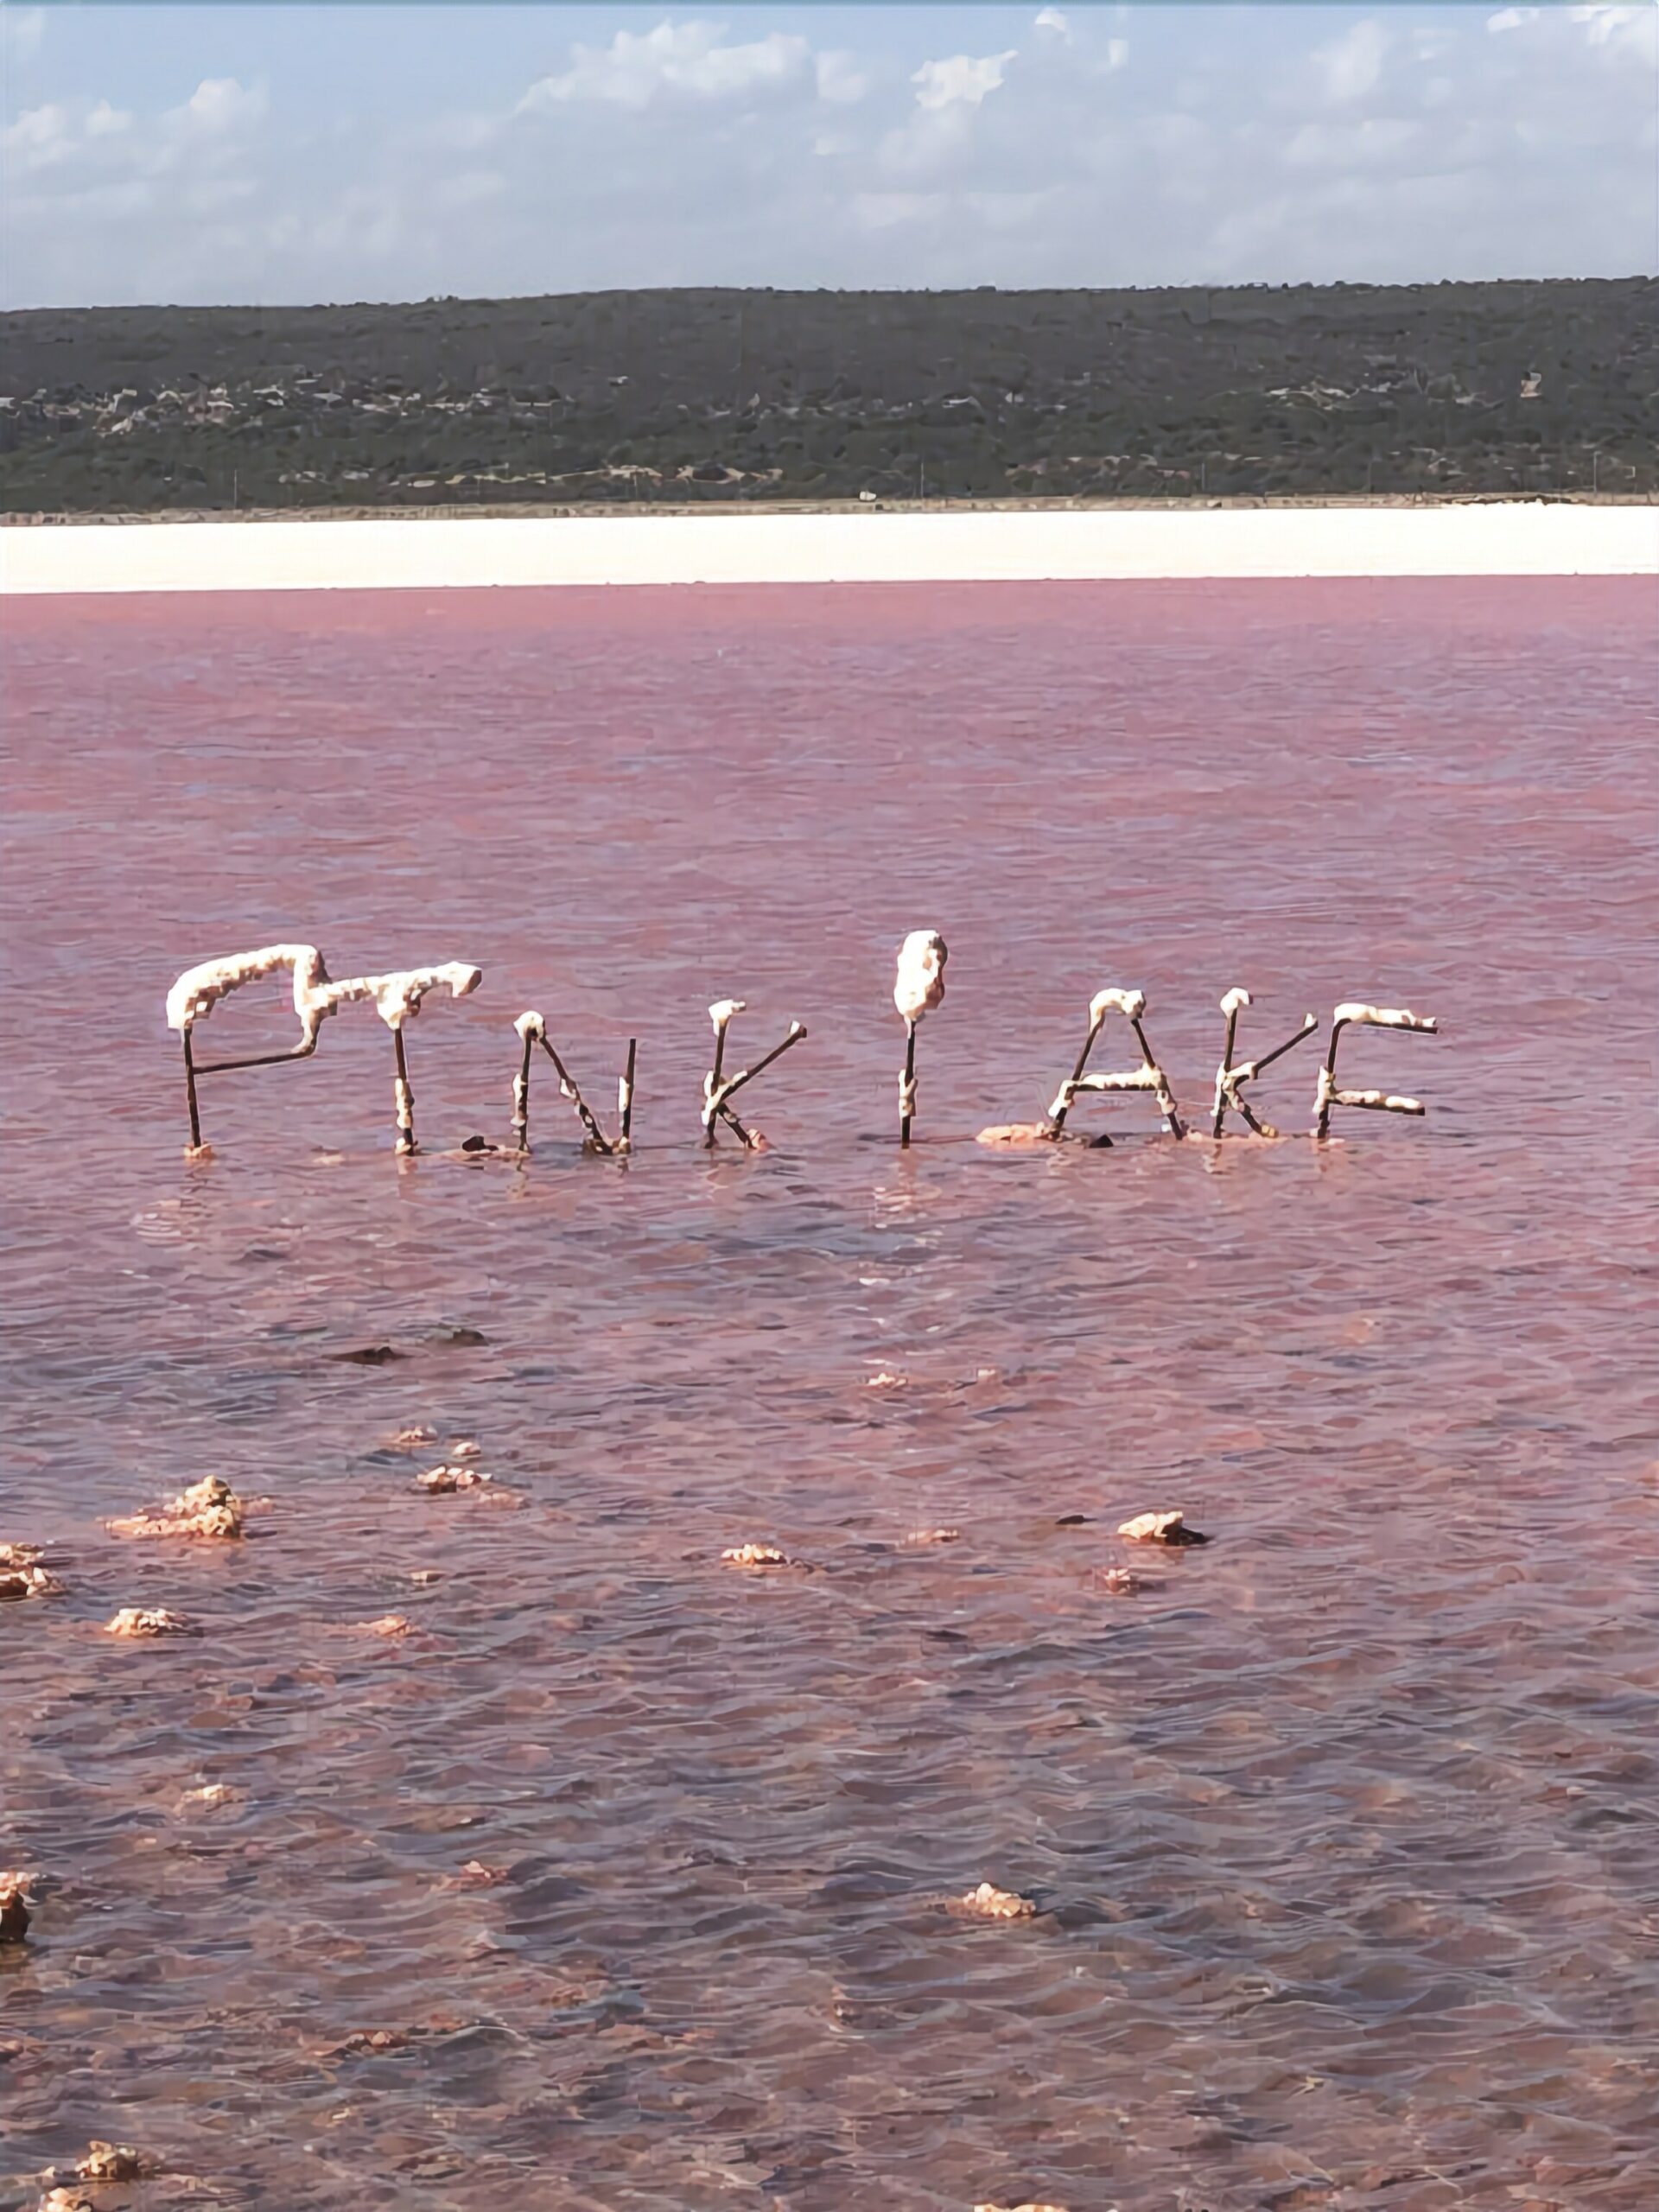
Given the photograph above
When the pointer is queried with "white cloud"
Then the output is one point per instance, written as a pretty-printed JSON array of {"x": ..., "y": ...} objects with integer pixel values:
[
  {"x": 1053, "y": 23},
  {"x": 40, "y": 136},
  {"x": 1607, "y": 22},
  {"x": 1378, "y": 142},
  {"x": 688, "y": 58},
  {"x": 1351, "y": 65},
  {"x": 471, "y": 188},
  {"x": 962, "y": 78},
  {"x": 839, "y": 78},
  {"x": 22, "y": 30},
  {"x": 1511, "y": 19},
  {"x": 221, "y": 104},
  {"x": 886, "y": 211},
  {"x": 695, "y": 152},
  {"x": 106, "y": 122}
]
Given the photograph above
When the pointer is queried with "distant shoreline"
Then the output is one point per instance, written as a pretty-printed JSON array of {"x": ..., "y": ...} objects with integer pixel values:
[
  {"x": 960, "y": 542},
  {"x": 642, "y": 510}
]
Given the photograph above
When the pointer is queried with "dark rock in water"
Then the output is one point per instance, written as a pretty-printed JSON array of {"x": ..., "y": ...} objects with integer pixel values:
[
  {"x": 476, "y": 1144},
  {"x": 14, "y": 1909},
  {"x": 368, "y": 1356}
]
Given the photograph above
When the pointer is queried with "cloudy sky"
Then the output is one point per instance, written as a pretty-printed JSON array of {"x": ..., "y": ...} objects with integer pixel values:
[{"x": 207, "y": 154}]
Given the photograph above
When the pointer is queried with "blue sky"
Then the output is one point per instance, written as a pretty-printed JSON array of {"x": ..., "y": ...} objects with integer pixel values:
[{"x": 205, "y": 154}]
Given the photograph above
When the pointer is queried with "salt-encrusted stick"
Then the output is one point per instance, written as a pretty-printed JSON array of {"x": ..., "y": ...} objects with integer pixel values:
[
  {"x": 1226, "y": 1082},
  {"x": 533, "y": 1029},
  {"x": 404, "y": 1095},
  {"x": 1230, "y": 1079},
  {"x": 1357, "y": 1014},
  {"x": 526, "y": 1025},
  {"x": 199, "y": 990},
  {"x": 624, "y": 1102},
  {"x": 719, "y": 1101},
  {"x": 720, "y": 1014},
  {"x": 397, "y": 996},
  {"x": 190, "y": 1094},
  {"x": 918, "y": 988},
  {"x": 1099, "y": 1007},
  {"x": 1172, "y": 1121},
  {"x": 1147, "y": 1076}
]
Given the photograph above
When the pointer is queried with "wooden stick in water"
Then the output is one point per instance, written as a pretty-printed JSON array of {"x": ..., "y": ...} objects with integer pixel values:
[
  {"x": 1355, "y": 1013},
  {"x": 625, "y": 1104}
]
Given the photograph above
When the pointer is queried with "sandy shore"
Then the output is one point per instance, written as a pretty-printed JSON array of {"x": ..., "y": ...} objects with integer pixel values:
[{"x": 1511, "y": 537}]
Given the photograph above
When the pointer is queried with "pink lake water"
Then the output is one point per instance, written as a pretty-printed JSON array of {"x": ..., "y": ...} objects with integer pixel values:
[{"x": 1344, "y": 1830}]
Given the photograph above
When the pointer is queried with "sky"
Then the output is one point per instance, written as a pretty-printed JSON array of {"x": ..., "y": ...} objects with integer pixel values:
[{"x": 206, "y": 155}]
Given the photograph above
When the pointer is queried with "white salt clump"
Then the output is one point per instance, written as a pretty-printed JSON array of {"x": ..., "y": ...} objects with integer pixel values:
[
  {"x": 1236, "y": 1001},
  {"x": 442, "y": 1481},
  {"x": 1130, "y": 1004},
  {"x": 155, "y": 1620},
  {"x": 530, "y": 1027},
  {"x": 1160, "y": 1529},
  {"x": 28, "y": 1582},
  {"x": 920, "y": 984},
  {"x": 397, "y": 995},
  {"x": 109, "y": 2162},
  {"x": 199, "y": 989},
  {"x": 987, "y": 1902},
  {"x": 1026, "y": 2205},
  {"x": 721, "y": 1011},
  {"x": 1382, "y": 1017},
  {"x": 1331, "y": 1093}
]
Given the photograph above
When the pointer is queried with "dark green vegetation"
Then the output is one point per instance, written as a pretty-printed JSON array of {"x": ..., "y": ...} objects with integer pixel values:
[{"x": 685, "y": 396}]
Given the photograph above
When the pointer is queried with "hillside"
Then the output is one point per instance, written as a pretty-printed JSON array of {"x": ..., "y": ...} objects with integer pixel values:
[{"x": 723, "y": 396}]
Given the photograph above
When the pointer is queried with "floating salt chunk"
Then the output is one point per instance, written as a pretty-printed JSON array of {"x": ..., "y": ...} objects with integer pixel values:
[
  {"x": 439, "y": 1481},
  {"x": 1018, "y": 1133},
  {"x": 211, "y": 1793},
  {"x": 370, "y": 2040},
  {"x": 1119, "y": 1581},
  {"x": 1160, "y": 1529},
  {"x": 1028, "y": 2205},
  {"x": 153, "y": 1620},
  {"x": 411, "y": 1440},
  {"x": 464, "y": 1448},
  {"x": 422, "y": 1576},
  {"x": 475, "y": 1875},
  {"x": 15, "y": 1888},
  {"x": 111, "y": 2162},
  {"x": 755, "y": 1556},
  {"x": 19, "y": 1554},
  {"x": 209, "y": 1508},
  {"x": 886, "y": 1380},
  {"x": 67, "y": 2200},
  {"x": 28, "y": 1582},
  {"x": 389, "y": 1625},
  {"x": 919, "y": 1537},
  {"x": 987, "y": 1902}
]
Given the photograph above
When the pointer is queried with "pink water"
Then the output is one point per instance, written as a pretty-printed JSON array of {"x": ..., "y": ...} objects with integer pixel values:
[{"x": 1344, "y": 1830}]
